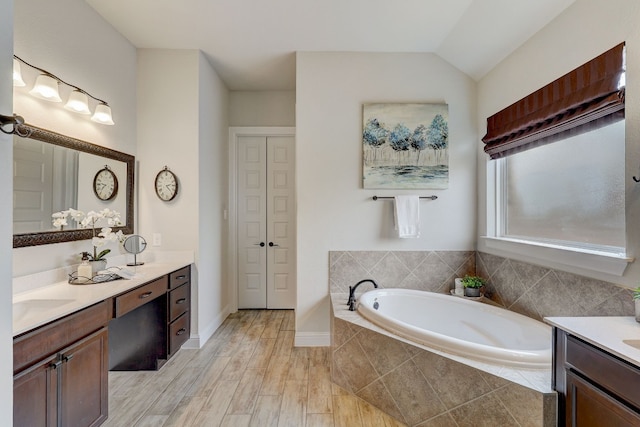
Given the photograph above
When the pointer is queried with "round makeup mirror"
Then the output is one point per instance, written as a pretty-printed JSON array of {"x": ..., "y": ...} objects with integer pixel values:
[{"x": 134, "y": 244}]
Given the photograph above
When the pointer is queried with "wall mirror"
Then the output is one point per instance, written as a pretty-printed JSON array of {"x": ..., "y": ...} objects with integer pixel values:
[{"x": 54, "y": 172}]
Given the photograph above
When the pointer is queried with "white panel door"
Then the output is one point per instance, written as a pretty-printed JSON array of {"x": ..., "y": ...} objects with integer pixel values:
[
  {"x": 281, "y": 292},
  {"x": 265, "y": 222},
  {"x": 252, "y": 221}
]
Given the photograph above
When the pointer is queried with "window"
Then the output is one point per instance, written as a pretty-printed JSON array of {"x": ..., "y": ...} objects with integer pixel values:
[
  {"x": 569, "y": 193},
  {"x": 558, "y": 160}
]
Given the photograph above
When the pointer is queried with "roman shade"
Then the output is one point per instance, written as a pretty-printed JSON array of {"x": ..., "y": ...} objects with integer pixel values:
[{"x": 590, "y": 96}]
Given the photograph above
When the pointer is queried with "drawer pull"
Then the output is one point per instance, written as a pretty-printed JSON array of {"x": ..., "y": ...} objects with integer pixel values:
[
  {"x": 181, "y": 301},
  {"x": 67, "y": 358},
  {"x": 181, "y": 331},
  {"x": 145, "y": 295},
  {"x": 180, "y": 277},
  {"x": 55, "y": 364}
]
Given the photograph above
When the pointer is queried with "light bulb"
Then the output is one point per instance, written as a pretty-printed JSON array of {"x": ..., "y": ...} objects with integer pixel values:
[
  {"x": 102, "y": 115},
  {"x": 46, "y": 88},
  {"x": 17, "y": 74},
  {"x": 78, "y": 103}
]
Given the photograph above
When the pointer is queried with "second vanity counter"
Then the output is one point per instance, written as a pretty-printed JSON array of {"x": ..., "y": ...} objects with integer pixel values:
[
  {"x": 43, "y": 305},
  {"x": 619, "y": 335}
]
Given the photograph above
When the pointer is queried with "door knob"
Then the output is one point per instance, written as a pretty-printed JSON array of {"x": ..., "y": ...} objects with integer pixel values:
[
  {"x": 261, "y": 244},
  {"x": 271, "y": 244}
]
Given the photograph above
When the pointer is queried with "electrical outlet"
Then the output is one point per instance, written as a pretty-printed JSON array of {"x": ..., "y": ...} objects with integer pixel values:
[{"x": 157, "y": 239}]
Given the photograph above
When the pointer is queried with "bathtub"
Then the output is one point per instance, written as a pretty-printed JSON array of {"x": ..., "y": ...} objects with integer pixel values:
[{"x": 461, "y": 327}]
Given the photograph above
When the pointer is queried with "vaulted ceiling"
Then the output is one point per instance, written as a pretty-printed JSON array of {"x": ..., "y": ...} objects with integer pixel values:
[{"x": 252, "y": 43}]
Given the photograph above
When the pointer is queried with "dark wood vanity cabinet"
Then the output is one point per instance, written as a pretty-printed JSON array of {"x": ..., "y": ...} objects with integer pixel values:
[
  {"x": 594, "y": 388},
  {"x": 178, "y": 310},
  {"x": 151, "y": 322},
  {"x": 60, "y": 371}
]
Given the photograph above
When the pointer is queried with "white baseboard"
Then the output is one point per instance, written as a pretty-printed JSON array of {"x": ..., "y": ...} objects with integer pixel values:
[
  {"x": 199, "y": 339},
  {"x": 312, "y": 339}
]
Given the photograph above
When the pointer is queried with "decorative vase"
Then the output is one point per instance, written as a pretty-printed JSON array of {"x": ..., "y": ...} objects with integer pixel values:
[
  {"x": 98, "y": 265},
  {"x": 637, "y": 302},
  {"x": 471, "y": 292},
  {"x": 459, "y": 287}
]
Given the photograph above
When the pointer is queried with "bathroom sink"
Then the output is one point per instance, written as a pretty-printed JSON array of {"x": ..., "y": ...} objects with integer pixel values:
[{"x": 23, "y": 308}]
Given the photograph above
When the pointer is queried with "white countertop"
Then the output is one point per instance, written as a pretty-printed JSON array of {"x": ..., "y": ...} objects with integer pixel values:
[
  {"x": 619, "y": 336},
  {"x": 40, "y": 306}
]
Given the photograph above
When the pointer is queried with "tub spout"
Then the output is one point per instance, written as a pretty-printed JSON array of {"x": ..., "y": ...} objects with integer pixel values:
[{"x": 352, "y": 290}]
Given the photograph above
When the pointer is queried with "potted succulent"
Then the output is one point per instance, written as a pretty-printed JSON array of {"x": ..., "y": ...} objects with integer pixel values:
[
  {"x": 472, "y": 285},
  {"x": 636, "y": 300}
]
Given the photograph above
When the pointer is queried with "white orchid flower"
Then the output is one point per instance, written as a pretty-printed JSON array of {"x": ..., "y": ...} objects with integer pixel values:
[
  {"x": 93, "y": 220},
  {"x": 75, "y": 214},
  {"x": 59, "y": 222},
  {"x": 98, "y": 242}
]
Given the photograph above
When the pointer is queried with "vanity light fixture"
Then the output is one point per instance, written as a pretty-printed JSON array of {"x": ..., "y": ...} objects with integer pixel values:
[
  {"x": 17, "y": 74},
  {"x": 78, "y": 102},
  {"x": 46, "y": 87},
  {"x": 102, "y": 114}
]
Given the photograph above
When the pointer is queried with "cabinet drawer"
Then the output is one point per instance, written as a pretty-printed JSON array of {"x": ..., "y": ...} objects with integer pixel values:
[
  {"x": 178, "y": 302},
  {"x": 140, "y": 296},
  {"x": 46, "y": 340},
  {"x": 180, "y": 277},
  {"x": 604, "y": 369},
  {"x": 179, "y": 332}
]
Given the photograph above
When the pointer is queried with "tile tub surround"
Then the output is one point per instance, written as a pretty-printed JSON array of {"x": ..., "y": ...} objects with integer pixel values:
[
  {"x": 424, "y": 387},
  {"x": 525, "y": 288},
  {"x": 540, "y": 292},
  {"x": 433, "y": 271}
]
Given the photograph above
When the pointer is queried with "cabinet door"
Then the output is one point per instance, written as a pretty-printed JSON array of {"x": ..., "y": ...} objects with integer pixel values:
[
  {"x": 35, "y": 395},
  {"x": 588, "y": 406},
  {"x": 83, "y": 381}
]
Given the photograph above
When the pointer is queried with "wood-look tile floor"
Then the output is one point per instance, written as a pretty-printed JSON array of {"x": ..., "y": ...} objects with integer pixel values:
[{"x": 248, "y": 374}]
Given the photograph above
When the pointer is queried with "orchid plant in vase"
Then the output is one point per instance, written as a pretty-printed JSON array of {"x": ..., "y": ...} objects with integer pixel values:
[{"x": 93, "y": 220}]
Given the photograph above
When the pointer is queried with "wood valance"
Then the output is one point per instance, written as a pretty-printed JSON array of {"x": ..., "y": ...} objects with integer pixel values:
[{"x": 590, "y": 96}]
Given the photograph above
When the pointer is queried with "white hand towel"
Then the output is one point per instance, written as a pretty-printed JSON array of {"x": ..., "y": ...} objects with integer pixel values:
[{"x": 407, "y": 216}]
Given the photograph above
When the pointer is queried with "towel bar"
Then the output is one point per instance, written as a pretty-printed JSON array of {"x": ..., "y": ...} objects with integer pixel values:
[{"x": 422, "y": 197}]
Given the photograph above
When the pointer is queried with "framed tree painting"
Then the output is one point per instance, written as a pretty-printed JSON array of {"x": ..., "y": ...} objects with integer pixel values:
[{"x": 405, "y": 146}]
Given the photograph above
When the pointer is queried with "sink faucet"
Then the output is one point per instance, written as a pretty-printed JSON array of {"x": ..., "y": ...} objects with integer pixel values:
[{"x": 352, "y": 290}]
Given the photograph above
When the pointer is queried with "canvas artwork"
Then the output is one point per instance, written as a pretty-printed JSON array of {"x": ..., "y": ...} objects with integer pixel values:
[{"x": 405, "y": 146}]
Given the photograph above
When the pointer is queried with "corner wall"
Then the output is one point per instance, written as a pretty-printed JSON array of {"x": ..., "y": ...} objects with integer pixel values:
[
  {"x": 334, "y": 212},
  {"x": 182, "y": 107},
  {"x": 583, "y": 31}
]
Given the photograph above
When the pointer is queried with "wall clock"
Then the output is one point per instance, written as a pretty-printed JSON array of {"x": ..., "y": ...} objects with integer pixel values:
[
  {"x": 166, "y": 185},
  {"x": 105, "y": 184}
]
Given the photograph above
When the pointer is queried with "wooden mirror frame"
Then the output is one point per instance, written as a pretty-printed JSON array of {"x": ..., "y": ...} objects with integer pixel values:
[{"x": 58, "y": 236}]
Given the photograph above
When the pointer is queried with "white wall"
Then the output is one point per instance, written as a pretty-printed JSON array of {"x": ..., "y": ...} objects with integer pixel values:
[
  {"x": 213, "y": 298},
  {"x": 334, "y": 212},
  {"x": 181, "y": 128},
  {"x": 264, "y": 108},
  {"x": 6, "y": 214},
  {"x": 583, "y": 31},
  {"x": 69, "y": 39}
]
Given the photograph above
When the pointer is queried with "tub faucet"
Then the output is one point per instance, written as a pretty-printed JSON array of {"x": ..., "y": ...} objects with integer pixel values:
[{"x": 352, "y": 290}]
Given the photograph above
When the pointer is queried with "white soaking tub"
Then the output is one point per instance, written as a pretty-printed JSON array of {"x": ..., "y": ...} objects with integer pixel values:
[{"x": 465, "y": 328}]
